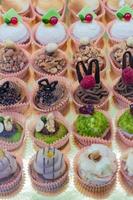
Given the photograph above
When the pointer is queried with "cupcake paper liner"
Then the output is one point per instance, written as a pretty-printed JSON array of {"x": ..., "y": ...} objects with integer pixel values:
[
  {"x": 109, "y": 13},
  {"x": 39, "y": 72},
  {"x": 125, "y": 175},
  {"x": 87, "y": 140},
  {"x": 20, "y": 106},
  {"x": 53, "y": 185},
  {"x": 61, "y": 105},
  {"x": 58, "y": 143},
  {"x": 94, "y": 188}
]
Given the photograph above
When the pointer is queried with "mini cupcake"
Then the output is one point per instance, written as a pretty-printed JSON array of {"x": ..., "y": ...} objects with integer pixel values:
[
  {"x": 10, "y": 173},
  {"x": 42, "y": 7},
  {"x": 13, "y": 95},
  {"x": 49, "y": 61},
  {"x": 92, "y": 126},
  {"x": 15, "y": 29},
  {"x": 49, "y": 170},
  {"x": 95, "y": 168},
  {"x": 50, "y": 130},
  {"x": 90, "y": 89},
  {"x": 87, "y": 27},
  {"x": 96, "y": 6},
  {"x": 50, "y": 94},
  {"x": 50, "y": 30},
  {"x": 121, "y": 28},
  {"x": 14, "y": 61},
  {"x": 124, "y": 124},
  {"x": 123, "y": 89}
]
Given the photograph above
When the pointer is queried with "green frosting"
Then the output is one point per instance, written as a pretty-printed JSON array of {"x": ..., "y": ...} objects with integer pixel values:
[
  {"x": 50, "y": 13},
  {"x": 85, "y": 11},
  {"x": 49, "y": 139},
  {"x": 92, "y": 125},
  {"x": 122, "y": 11},
  {"x": 9, "y": 14},
  {"x": 125, "y": 122}
]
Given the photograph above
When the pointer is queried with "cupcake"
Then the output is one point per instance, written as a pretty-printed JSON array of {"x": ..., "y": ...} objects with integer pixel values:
[
  {"x": 121, "y": 28},
  {"x": 42, "y": 6},
  {"x": 87, "y": 27},
  {"x": 14, "y": 61},
  {"x": 10, "y": 173},
  {"x": 50, "y": 30},
  {"x": 13, "y": 95},
  {"x": 124, "y": 124},
  {"x": 92, "y": 126},
  {"x": 49, "y": 61},
  {"x": 123, "y": 89},
  {"x": 50, "y": 94},
  {"x": 50, "y": 129},
  {"x": 48, "y": 170},
  {"x": 95, "y": 168},
  {"x": 12, "y": 130},
  {"x": 90, "y": 89},
  {"x": 96, "y": 6}
]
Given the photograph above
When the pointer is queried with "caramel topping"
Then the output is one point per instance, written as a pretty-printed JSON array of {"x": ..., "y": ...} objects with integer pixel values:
[{"x": 95, "y": 156}]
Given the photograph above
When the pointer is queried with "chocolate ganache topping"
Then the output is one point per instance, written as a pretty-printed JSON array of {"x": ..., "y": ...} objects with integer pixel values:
[
  {"x": 125, "y": 84},
  {"x": 91, "y": 90}
]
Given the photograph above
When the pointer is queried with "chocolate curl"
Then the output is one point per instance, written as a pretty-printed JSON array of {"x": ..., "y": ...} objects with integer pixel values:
[
  {"x": 97, "y": 71},
  {"x": 47, "y": 86},
  {"x": 124, "y": 62},
  {"x": 79, "y": 73}
]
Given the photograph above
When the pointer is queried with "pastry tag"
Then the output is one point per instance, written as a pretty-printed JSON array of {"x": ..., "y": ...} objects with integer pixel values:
[
  {"x": 86, "y": 15},
  {"x": 51, "y": 17},
  {"x": 125, "y": 13},
  {"x": 12, "y": 17}
]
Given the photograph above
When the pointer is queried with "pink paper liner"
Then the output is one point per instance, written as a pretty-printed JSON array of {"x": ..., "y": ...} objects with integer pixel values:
[
  {"x": 104, "y": 105},
  {"x": 87, "y": 141},
  {"x": 122, "y": 101},
  {"x": 22, "y": 73},
  {"x": 119, "y": 132},
  {"x": 53, "y": 185},
  {"x": 110, "y": 14},
  {"x": 98, "y": 17},
  {"x": 95, "y": 188},
  {"x": 11, "y": 146},
  {"x": 41, "y": 74},
  {"x": 61, "y": 45},
  {"x": 57, "y": 144},
  {"x": 61, "y": 105},
  {"x": 20, "y": 106},
  {"x": 62, "y": 11},
  {"x": 97, "y": 41},
  {"x": 124, "y": 174}
]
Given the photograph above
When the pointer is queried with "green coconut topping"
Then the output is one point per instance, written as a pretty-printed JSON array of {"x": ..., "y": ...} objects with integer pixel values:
[
  {"x": 49, "y": 139},
  {"x": 125, "y": 122},
  {"x": 92, "y": 125}
]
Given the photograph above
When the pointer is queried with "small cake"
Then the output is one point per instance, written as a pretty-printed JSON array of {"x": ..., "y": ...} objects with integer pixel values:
[
  {"x": 50, "y": 94},
  {"x": 92, "y": 126},
  {"x": 50, "y": 30},
  {"x": 48, "y": 170},
  {"x": 10, "y": 173},
  {"x": 90, "y": 89},
  {"x": 14, "y": 29},
  {"x": 87, "y": 27},
  {"x": 96, "y": 167},
  {"x": 49, "y": 61}
]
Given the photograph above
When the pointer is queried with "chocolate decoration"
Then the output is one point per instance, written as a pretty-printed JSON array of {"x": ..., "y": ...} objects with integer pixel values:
[
  {"x": 47, "y": 86},
  {"x": 79, "y": 74},
  {"x": 88, "y": 109},
  {"x": 125, "y": 64},
  {"x": 97, "y": 71},
  {"x": 131, "y": 109}
]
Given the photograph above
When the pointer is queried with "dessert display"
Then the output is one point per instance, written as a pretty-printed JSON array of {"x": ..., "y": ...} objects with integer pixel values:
[
  {"x": 50, "y": 94},
  {"x": 50, "y": 30},
  {"x": 87, "y": 27},
  {"x": 48, "y": 170},
  {"x": 90, "y": 89},
  {"x": 92, "y": 126},
  {"x": 50, "y": 130},
  {"x": 14, "y": 29},
  {"x": 49, "y": 61},
  {"x": 10, "y": 173},
  {"x": 95, "y": 167}
]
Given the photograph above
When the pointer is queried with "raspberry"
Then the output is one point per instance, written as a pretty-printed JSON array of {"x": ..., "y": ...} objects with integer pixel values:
[
  {"x": 88, "y": 82},
  {"x": 127, "y": 76}
]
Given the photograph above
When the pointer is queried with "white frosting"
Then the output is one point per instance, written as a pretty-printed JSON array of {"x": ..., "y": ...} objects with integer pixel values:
[
  {"x": 86, "y": 30},
  {"x": 97, "y": 172},
  {"x": 18, "y": 33},
  {"x": 121, "y": 29},
  {"x": 129, "y": 162},
  {"x": 50, "y": 34}
]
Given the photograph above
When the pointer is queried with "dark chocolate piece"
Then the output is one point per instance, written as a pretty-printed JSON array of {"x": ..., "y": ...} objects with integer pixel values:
[
  {"x": 88, "y": 109},
  {"x": 128, "y": 55}
]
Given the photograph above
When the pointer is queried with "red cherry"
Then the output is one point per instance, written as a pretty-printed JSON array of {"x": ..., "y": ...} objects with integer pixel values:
[
  {"x": 14, "y": 20},
  {"x": 53, "y": 20},
  {"x": 127, "y": 16},
  {"x": 88, "y": 18},
  {"x": 127, "y": 76},
  {"x": 88, "y": 82}
]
